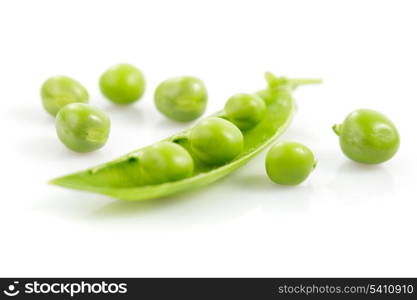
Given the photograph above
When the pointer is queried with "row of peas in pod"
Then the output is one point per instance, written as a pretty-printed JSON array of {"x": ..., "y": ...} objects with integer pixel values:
[
  {"x": 365, "y": 136},
  {"x": 85, "y": 128}
]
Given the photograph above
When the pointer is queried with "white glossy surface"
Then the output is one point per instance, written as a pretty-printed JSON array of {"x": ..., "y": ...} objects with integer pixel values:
[{"x": 346, "y": 220}]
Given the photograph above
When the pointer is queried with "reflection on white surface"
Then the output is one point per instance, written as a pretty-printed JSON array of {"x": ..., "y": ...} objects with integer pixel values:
[{"x": 356, "y": 183}]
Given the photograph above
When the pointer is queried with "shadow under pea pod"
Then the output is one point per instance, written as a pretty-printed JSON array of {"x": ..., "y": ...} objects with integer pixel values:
[
  {"x": 205, "y": 206},
  {"x": 357, "y": 183}
]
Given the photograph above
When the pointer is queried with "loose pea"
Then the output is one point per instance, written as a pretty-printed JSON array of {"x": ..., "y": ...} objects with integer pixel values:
[
  {"x": 58, "y": 91},
  {"x": 120, "y": 178},
  {"x": 82, "y": 127},
  {"x": 165, "y": 162},
  {"x": 245, "y": 110},
  {"x": 181, "y": 99},
  {"x": 122, "y": 84},
  {"x": 289, "y": 163},
  {"x": 367, "y": 136},
  {"x": 216, "y": 141}
]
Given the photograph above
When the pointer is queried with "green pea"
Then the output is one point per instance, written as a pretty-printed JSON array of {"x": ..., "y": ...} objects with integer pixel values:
[
  {"x": 82, "y": 127},
  {"x": 181, "y": 99},
  {"x": 367, "y": 136},
  {"x": 289, "y": 163},
  {"x": 165, "y": 162},
  {"x": 216, "y": 141},
  {"x": 245, "y": 110},
  {"x": 123, "y": 84},
  {"x": 58, "y": 91}
]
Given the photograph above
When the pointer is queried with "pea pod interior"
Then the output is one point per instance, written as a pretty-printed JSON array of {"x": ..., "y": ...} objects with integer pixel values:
[{"x": 119, "y": 178}]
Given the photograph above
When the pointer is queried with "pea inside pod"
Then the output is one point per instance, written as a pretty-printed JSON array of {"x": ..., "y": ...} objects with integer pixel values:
[
  {"x": 120, "y": 178},
  {"x": 164, "y": 162},
  {"x": 216, "y": 141},
  {"x": 245, "y": 110}
]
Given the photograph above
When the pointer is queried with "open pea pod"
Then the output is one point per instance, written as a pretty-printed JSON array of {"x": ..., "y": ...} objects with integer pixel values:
[{"x": 120, "y": 179}]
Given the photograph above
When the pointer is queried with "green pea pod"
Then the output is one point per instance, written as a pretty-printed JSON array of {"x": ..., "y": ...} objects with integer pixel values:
[{"x": 120, "y": 179}]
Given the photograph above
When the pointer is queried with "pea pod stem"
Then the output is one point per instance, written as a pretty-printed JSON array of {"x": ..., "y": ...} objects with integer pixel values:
[
  {"x": 292, "y": 84},
  {"x": 336, "y": 128}
]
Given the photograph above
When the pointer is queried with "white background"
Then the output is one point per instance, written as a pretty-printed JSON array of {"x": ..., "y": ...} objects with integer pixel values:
[{"x": 345, "y": 220}]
